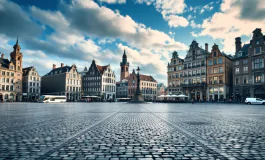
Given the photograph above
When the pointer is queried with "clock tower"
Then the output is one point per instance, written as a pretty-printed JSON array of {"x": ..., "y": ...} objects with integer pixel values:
[{"x": 124, "y": 67}]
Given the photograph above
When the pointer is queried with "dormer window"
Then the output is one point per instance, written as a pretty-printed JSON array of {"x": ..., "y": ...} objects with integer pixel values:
[{"x": 257, "y": 42}]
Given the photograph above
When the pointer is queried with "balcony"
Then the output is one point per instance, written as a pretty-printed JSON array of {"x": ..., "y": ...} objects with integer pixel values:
[
  {"x": 202, "y": 84},
  {"x": 203, "y": 73},
  {"x": 198, "y": 74}
]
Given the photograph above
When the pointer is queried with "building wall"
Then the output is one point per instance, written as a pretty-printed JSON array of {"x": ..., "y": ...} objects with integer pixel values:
[
  {"x": 219, "y": 75},
  {"x": 109, "y": 84},
  {"x": 31, "y": 85},
  {"x": 10, "y": 84}
]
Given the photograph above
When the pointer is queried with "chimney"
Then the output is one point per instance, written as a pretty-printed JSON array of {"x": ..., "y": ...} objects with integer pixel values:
[
  {"x": 53, "y": 66},
  {"x": 206, "y": 47},
  {"x": 238, "y": 44},
  {"x": 2, "y": 55},
  {"x": 62, "y": 65}
]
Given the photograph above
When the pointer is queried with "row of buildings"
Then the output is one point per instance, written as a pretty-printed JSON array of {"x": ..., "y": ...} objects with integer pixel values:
[
  {"x": 213, "y": 75},
  {"x": 18, "y": 83}
]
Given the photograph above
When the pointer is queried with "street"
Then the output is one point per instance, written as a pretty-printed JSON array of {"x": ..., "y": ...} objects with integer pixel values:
[{"x": 131, "y": 131}]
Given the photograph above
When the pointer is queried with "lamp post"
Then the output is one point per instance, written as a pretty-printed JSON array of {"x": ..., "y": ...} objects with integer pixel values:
[{"x": 137, "y": 97}]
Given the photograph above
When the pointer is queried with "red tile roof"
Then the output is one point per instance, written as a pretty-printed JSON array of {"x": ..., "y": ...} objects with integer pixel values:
[{"x": 101, "y": 68}]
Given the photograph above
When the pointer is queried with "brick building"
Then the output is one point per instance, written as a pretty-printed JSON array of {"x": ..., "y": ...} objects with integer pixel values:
[{"x": 219, "y": 75}]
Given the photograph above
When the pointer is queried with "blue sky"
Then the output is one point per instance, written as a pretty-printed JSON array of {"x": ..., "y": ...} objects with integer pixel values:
[{"x": 75, "y": 32}]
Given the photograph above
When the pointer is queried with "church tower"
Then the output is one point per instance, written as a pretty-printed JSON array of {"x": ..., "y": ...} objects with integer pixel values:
[
  {"x": 16, "y": 57},
  {"x": 124, "y": 67}
]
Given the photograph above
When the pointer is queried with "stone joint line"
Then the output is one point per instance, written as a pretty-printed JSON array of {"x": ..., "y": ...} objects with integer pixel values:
[
  {"x": 48, "y": 151},
  {"x": 193, "y": 137}
]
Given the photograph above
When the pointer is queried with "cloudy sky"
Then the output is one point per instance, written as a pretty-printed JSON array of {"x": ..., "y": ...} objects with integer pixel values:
[{"x": 75, "y": 32}]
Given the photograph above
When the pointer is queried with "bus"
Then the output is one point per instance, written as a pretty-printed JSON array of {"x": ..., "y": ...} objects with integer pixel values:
[{"x": 52, "y": 99}]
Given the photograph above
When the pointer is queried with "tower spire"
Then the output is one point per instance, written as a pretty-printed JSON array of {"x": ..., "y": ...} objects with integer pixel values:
[{"x": 17, "y": 40}]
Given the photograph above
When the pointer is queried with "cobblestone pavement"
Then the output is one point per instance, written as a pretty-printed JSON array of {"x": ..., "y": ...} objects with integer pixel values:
[{"x": 131, "y": 131}]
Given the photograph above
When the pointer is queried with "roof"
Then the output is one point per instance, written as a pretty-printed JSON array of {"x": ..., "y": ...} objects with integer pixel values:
[
  {"x": 59, "y": 70},
  {"x": 243, "y": 50},
  {"x": 102, "y": 68},
  {"x": 4, "y": 62},
  {"x": 26, "y": 70},
  {"x": 147, "y": 78}
]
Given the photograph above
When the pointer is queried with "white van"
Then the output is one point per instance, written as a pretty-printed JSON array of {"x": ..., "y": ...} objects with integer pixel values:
[
  {"x": 254, "y": 101},
  {"x": 52, "y": 99}
]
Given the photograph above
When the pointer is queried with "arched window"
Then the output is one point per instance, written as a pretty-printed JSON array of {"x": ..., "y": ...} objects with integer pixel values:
[{"x": 6, "y": 96}]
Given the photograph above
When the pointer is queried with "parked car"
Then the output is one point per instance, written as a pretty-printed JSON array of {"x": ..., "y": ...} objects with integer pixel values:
[{"x": 254, "y": 101}]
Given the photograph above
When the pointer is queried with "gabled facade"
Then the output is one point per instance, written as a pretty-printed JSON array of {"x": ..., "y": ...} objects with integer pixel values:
[
  {"x": 31, "y": 84},
  {"x": 148, "y": 86},
  {"x": 249, "y": 68},
  {"x": 11, "y": 75},
  {"x": 122, "y": 89},
  {"x": 194, "y": 72},
  {"x": 64, "y": 80},
  {"x": 175, "y": 74},
  {"x": 100, "y": 81},
  {"x": 161, "y": 89},
  {"x": 219, "y": 75}
]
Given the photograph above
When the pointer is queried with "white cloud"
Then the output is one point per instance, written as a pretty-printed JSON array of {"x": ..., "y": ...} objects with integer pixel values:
[
  {"x": 169, "y": 10},
  {"x": 194, "y": 34},
  {"x": 113, "y": 1},
  {"x": 194, "y": 25},
  {"x": 176, "y": 21},
  {"x": 34, "y": 53},
  {"x": 228, "y": 24}
]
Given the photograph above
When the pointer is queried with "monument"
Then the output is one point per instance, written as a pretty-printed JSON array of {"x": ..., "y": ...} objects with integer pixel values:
[{"x": 137, "y": 98}]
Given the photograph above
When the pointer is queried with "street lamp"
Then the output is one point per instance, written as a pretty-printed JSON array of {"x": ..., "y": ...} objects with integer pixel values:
[{"x": 138, "y": 98}]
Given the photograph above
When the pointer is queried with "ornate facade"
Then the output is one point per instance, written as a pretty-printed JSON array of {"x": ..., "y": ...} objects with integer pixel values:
[
  {"x": 194, "y": 72},
  {"x": 64, "y": 80},
  {"x": 11, "y": 75},
  {"x": 175, "y": 74}
]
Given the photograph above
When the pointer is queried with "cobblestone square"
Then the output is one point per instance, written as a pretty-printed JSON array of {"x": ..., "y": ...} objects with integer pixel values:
[{"x": 131, "y": 131}]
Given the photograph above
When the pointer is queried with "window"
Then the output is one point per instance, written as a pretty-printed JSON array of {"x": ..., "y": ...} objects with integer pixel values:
[
  {"x": 214, "y": 61},
  {"x": 7, "y": 80},
  {"x": 237, "y": 70},
  {"x": 214, "y": 70},
  {"x": 11, "y": 67},
  {"x": 257, "y": 63},
  {"x": 237, "y": 63},
  {"x": 221, "y": 89},
  {"x": 214, "y": 54},
  {"x": 7, "y": 73},
  {"x": 3, "y": 87},
  {"x": 258, "y": 77},
  {"x": 210, "y": 89},
  {"x": 202, "y": 71},
  {"x": 3, "y": 73},
  {"x": 12, "y": 74},
  {"x": 7, "y": 87},
  {"x": 245, "y": 61},
  {"x": 215, "y": 79},
  {"x": 34, "y": 78},
  {"x": 210, "y": 63},
  {"x": 3, "y": 80},
  {"x": 257, "y": 42},
  {"x": 220, "y": 60},
  {"x": 237, "y": 80},
  {"x": 257, "y": 50},
  {"x": 245, "y": 80},
  {"x": 11, "y": 88},
  {"x": 30, "y": 84},
  {"x": 245, "y": 68},
  {"x": 220, "y": 69}
]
